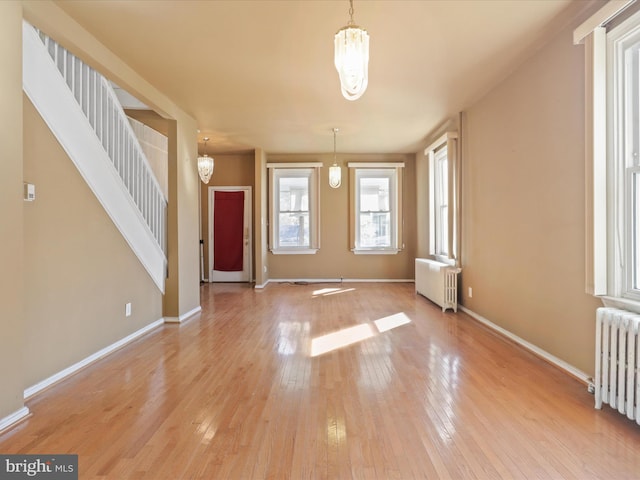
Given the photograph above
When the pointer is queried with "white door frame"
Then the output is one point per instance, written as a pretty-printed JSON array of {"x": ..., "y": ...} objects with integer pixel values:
[{"x": 248, "y": 209}]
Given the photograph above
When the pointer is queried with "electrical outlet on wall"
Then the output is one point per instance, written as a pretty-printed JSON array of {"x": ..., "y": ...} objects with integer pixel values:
[
  {"x": 470, "y": 292},
  {"x": 127, "y": 310}
]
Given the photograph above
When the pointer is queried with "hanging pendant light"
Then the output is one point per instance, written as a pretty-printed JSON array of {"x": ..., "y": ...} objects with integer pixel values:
[
  {"x": 351, "y": 58},
  {"x": 205, "y": 164},
  {"x": 335, "y": 172}
]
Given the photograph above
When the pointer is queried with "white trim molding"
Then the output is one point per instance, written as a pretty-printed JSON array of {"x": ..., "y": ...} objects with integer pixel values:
[
  {"x": 13, "y": 418},
  {"x": 608, "y": 11},
  {"x": 441, "y": 141},
  {"x": 375, "y": 164},
  {"x": 376, "y": 251},
  {"x": 378, "y": 280},
  {"x": 296, "y": 165},
  {"x": 552, "y": 359},
  {"x": 294, "y": 251},
  {"x": 338, "y": 280},
  {"x": 47, "y": 382},
  {"x": 184, "y": 317},
  {"x": 262, "y": 285}
]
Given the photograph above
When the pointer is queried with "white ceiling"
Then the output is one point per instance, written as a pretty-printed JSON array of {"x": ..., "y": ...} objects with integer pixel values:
[{"x": 260, "y": 73}]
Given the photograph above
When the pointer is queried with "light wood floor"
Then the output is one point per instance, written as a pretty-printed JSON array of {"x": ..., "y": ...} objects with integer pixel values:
[{"x": 253, "y": 390}]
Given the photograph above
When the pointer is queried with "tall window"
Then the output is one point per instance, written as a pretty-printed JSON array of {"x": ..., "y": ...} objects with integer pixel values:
[
  {"x": 443, "y": 201},
  {"x": 612, "y": 46},
  {"x": 374, "y": 199},
  {"x": 624, "y": 164},
  {"x": 294, "y": 216},
  {"x": 376, "y": 207}
]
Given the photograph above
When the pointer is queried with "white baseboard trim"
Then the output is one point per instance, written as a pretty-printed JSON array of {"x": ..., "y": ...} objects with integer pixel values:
[
  {"x": 47, "y": 382},
  {"x": 13, "y": 418},
  {"x": 338, "y": 280},
  {"x": 570, "y": 369},
  {"x": 334, "y": 280},
  {"x": 184, "y": 317},
  {"x": 378, "y": 280}
]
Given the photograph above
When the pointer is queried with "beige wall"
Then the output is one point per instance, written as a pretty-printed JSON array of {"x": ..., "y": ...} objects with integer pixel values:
[
  {"x": 79, "y": 270},
  {"x": 229, "y": 171},
  {"x": 151, "y": 119},
  {"x": 523, "y": 205},
  {"x": 187, "y": 226},
  {"x": 334, "y": 259},
  {"x": 260, "y": 218},
  {"x": 11, "y": 205}
]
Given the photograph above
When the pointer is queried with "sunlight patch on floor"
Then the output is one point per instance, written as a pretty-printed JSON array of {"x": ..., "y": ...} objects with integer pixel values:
[
  {"x": 349, "y": 336},
  {"x": 331, "y": 291},
  {"x": 341, "y": 338},
  {"x": 392, "y": 321}
]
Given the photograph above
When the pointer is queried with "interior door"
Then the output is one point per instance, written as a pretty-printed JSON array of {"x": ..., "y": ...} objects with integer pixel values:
[{"x": 230, "y": 234}]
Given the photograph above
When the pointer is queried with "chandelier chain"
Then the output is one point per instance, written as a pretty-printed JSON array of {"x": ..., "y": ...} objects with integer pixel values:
[{"x": 350, "y": 12}]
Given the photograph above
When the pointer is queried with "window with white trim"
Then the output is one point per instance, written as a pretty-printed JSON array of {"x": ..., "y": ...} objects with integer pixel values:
[
  {"x": 623, "y": 169},
  {"x": 376, "y": 208},
  {"x": 443, "y": 198},
  {"x": 612, "y": 46},
  {"x": 294, "y": 208},
  {"x": 440, "y": 202}
]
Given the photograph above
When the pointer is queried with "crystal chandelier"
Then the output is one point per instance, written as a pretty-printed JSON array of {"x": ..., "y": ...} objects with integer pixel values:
[
  {"x": 335, "y": 172},
  {"x": 205, "y": 164},
  {"x": 352, "y": 58}
]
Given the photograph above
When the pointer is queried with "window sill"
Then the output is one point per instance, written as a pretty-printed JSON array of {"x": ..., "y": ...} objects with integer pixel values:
[
  {"x": 445, "y": 260},
  {"x": 622, "y": 303},
  {"x": 292, "y": 251},
  {"x": 375, "y": 251}
]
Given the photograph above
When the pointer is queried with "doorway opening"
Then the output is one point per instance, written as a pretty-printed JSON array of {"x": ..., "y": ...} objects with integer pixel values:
[{"x": 230, "y": 244}]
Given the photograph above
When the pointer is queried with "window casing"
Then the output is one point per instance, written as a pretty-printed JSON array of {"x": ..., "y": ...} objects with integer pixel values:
[
  {"x": 441, "y": 202},
  {"x": 623, "y": 159},
  {"x": 444, "y": 201},
  {"x": 612, "y": 59},
  {"x": 376, "y": 202},
  {"x": 294, "y": 208}
]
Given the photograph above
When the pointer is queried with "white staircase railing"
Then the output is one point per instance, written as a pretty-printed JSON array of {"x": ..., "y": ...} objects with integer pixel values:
[
  {"x": 100, "y": 105},
  {"x": 81, "y": 109}
]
